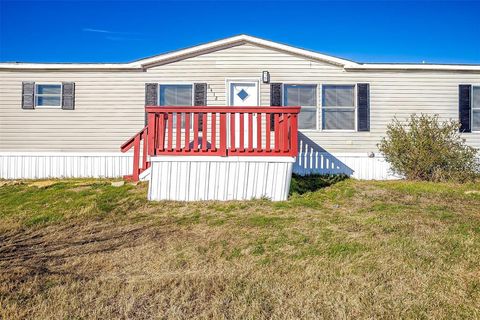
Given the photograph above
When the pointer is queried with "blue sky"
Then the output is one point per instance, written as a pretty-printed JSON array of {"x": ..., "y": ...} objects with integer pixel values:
[{"x": 388, "y": 31}]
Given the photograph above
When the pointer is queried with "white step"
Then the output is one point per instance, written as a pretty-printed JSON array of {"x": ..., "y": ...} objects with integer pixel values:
[{"x": 145, "y": 175}]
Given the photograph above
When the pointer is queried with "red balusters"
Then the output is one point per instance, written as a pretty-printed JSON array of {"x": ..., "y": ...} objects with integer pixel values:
[
  {"x": 223, "y": 137},
  {"x": 250, "y": 132},
  {"x": 213, "y": 139},
  {"x": 204, "y": 132},
  {"x": 259, "y": 131},
  {"x": 166, "y": 122},
  {"x": 195, "y": 131},
  {"x": 187, "y": 131},
  {"x": 178, "y": 138},
  {"x": 163, "y": 125},
  {"x": 240, "y": 132},
  {"x": 267, "y": 132},
  {"x": 232, "y": 131}
]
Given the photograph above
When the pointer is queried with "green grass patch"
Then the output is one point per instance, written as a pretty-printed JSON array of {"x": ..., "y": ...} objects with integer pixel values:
[
  {"x": 42, "y": 218},
  {"x": 343, "y": 249}
]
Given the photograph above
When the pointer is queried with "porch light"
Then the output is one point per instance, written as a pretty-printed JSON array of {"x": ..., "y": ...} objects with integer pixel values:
[{"x": 265, "y": 76}]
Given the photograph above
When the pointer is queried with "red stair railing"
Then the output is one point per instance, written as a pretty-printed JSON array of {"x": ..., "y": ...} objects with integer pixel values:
[
  {"x": 215, "y": 131},
  {"x": 136, "y": 143}
]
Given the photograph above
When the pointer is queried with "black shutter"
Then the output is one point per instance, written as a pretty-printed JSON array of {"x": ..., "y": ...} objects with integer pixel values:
[
  {"x": 465, "y": 107},
  {"x": 200, "y": 94},
  {"x": 28, "y": 95},
  {"x": 151, "y": 94},
  {"x": 200, "y": 99},
  {"x": 68, "y": 95},
  {"x": 275, "y": 100},
  {"x": 151, "y": 97},
  {"x": 276, "y": 94},
  {"x": 363, "y": 113}
]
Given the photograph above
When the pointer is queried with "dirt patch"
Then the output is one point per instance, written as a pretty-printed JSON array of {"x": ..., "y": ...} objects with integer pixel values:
[
  {"x": 9, "y": 182},
  {"x": 43, "y": 183},
  {"x": 80, "y": 188},
  {"x": 40, "y": 251},
  {"x": 472, "y": 192}
]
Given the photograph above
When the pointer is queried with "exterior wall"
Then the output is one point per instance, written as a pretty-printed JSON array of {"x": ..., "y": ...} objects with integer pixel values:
[
  {"x": 108, "y": 110},
  {"x": 109, "y": 105},
  {"x": 193, "y": 178},
  {"x": 393, "y": 93}
]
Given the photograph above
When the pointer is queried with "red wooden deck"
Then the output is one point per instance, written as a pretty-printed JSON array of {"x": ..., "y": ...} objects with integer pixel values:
[{"x": 214, "y": 131}]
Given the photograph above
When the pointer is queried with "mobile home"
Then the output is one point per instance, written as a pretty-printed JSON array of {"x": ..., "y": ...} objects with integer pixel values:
[{"x": 230, "y": 119}]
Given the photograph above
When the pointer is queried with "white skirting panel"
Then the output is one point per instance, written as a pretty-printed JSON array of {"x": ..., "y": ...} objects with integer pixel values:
[
  {"x": 193, "y": 178},
  {"x": 356, "y": 165},
  {"x": 43, "y": 165}
]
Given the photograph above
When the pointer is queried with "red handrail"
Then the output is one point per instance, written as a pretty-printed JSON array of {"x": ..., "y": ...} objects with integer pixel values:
[
  {"x": 135, "y": 142},
  {"x": 223, "y": 130},
  {"x": 215, "y": 131}
]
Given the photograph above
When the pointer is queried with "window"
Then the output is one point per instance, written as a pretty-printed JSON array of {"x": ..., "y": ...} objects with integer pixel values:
[
  {"x": 306, "y": 97},
  {"x": 48, "y": 95},
  {"x": 475, "y": 108},
  {"x": 338, "y": 107},
  {"x": 176, "y": 95}
]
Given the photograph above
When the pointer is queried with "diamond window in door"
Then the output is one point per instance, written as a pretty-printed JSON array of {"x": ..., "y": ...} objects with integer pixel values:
[{"x": 243, "y": 94}]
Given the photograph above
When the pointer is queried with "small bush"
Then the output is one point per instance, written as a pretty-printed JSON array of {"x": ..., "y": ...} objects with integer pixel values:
[{"x": 424, "y": 148}]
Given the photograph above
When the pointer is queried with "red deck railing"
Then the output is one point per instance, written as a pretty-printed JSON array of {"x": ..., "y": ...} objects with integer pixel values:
[{"x": 215, "y": 131}]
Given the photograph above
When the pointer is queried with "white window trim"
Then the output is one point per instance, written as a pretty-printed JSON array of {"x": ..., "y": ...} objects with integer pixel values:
[
  {"x": 472, "y": 108},
  {"x": 317, "y": 86},
  {"x": 192, "y": 85},
  {"x": 355, "y": 99},
  {"x": 41, "y": 95}
]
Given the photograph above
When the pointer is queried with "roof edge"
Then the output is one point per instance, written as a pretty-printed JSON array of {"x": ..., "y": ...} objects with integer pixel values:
[
  {"x": 68, "y": 66},
  {"x": 240, "y": 39},
  {"x": 412, "y": 67},
  {"x": 142, "y": 64}
]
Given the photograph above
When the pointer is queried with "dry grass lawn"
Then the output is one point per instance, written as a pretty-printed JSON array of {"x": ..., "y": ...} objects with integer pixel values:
[{"x": 83, "y": 249}]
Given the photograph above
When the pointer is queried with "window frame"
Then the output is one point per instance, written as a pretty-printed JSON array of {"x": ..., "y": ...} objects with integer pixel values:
[
  {"x": 175, "y": 84},
  {"x": 355, "y": 106},
  {"x": 316, "y": 85},
  {"x": 473, "y": 108},
  {"x": 192, "y": 86},
  {"x": 36, "y": 94}
]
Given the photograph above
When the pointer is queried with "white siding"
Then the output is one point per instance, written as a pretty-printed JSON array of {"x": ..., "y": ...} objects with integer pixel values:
[{"x": 109, "y": 105}]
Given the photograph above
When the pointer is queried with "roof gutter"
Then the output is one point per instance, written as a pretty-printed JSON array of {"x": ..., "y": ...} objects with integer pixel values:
[
  {"x": 70, "y": 66},
  {"x": 410, "y": 67}
]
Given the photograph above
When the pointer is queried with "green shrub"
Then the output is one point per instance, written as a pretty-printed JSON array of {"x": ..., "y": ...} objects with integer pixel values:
[
  {"x": 302, "y": 184},
  {"x": 423, "y": 148}
]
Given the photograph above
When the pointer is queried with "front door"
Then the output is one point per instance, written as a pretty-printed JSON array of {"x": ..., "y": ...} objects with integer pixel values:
[{"x": 243, "y": 94}]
